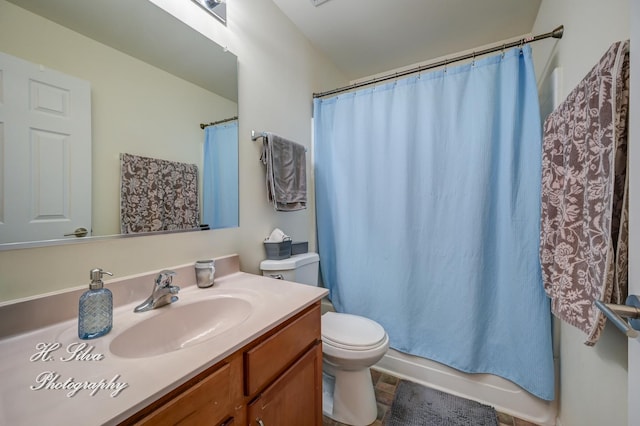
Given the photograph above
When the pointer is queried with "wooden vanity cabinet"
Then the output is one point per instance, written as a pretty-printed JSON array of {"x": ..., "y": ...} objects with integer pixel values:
[{"x": 274, "y": 380}]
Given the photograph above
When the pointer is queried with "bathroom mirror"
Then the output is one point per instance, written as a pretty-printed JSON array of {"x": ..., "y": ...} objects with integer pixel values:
[{"x": 153, "y": 80}]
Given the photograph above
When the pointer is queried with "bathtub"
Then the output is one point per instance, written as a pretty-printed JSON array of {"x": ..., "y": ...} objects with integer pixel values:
[{"x": 488, "y": 389}]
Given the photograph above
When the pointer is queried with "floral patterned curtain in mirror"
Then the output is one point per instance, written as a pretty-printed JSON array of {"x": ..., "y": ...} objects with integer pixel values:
[{"x": 157, "y": 195}]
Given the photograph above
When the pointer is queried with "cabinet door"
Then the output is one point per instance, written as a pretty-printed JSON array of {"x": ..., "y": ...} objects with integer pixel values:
[{"x": 295, "y": 398}]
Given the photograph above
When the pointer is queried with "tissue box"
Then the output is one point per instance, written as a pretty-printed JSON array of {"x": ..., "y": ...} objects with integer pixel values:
[
  {"x": 277, "y": 251},
  {"x": 299, "y": 247}
]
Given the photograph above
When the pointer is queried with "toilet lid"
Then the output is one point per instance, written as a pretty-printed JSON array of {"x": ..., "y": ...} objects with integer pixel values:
[{"x": 351, "y": 331}]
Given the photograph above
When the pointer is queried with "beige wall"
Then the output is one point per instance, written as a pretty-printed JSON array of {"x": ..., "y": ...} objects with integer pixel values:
[
  {"x": 278, "y": 72},
  {"x": 593, "y": 380}
]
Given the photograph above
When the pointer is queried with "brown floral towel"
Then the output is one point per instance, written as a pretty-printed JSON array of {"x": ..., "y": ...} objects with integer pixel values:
[
  {"x": 157, "y": 195},
  {"x": 583, "y": 235}
]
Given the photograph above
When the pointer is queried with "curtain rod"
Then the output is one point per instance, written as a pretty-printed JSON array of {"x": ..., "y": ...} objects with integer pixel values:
[
  {"x": 202, "y": 125},
  {"x": 557, "y": 33}
]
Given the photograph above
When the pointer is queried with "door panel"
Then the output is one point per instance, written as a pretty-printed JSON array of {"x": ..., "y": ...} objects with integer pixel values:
[{"x": 45, "y": 137}]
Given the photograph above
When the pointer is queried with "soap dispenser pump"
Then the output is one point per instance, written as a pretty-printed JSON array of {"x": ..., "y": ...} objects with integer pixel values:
[{"x": 95, "y": 317}]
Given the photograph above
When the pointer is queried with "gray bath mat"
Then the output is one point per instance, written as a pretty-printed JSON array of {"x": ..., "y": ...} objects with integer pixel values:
[{"x": 417, "y": 405}]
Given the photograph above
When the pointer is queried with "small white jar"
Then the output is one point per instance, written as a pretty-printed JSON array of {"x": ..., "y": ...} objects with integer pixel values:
[{"x": 205, "y": 273}]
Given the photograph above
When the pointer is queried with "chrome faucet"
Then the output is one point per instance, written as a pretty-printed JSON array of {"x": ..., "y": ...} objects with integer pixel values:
[{"x": 162, "y": 294}]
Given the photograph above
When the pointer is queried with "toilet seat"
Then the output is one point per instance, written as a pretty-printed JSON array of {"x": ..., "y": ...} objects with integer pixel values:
[{"x": 351, "y": 332}]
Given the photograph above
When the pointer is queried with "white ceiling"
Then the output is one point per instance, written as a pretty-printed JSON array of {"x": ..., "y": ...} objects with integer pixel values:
[{"x": 367, "y": 37}]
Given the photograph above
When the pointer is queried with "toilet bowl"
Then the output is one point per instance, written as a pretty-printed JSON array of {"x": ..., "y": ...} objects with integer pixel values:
[{"x": 351, "y": 344}]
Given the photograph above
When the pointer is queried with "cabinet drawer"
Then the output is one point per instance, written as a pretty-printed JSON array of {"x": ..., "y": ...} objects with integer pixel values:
[
  {"x": 264, "y": 362},
  {"x": 207, "y": 402}
]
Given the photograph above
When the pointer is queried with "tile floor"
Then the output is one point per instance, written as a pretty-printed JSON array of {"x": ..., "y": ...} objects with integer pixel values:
[{"x": 385, "y": 387}]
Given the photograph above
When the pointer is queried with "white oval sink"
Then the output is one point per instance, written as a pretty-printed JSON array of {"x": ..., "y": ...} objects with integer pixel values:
[{"x": 181, "y": 326}]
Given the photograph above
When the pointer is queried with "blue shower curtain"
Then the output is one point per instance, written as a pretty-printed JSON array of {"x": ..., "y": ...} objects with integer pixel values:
[
  {"x": 428, "y": 208},
  {"x": 220, "y": 176}
]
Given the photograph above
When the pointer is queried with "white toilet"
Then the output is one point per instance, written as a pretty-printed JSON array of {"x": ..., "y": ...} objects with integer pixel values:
[{"x": 350, "y": 345}]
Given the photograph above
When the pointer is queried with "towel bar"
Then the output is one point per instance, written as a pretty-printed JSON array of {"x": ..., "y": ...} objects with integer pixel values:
[
  {"x": 257, "y": 135},
  {"x": 617, "y": 313}
]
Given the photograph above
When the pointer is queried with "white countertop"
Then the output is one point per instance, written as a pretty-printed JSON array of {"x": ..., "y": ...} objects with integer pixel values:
[{"x": 36, "y": 385}]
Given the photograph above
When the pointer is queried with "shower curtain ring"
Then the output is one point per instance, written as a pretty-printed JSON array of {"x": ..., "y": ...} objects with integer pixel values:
[{"x": 473, "y": 61}]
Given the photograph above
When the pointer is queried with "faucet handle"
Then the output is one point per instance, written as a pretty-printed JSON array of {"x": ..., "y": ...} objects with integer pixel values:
[{"x": 164, "y": 278}]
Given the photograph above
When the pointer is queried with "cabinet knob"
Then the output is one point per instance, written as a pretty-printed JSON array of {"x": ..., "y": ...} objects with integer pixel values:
[{"x": 259, "y": 421}]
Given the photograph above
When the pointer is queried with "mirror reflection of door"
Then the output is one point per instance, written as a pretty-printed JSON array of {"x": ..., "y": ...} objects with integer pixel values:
[
  {"x": 148, "y": 94},
  {"x": 45, "y": 133}
]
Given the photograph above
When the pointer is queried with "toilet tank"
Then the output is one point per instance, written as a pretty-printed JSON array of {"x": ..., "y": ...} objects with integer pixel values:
[{"x": 300, "y": 268}]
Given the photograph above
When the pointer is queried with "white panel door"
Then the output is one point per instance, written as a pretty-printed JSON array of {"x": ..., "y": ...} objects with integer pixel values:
[{"x": 45, "y": 146}]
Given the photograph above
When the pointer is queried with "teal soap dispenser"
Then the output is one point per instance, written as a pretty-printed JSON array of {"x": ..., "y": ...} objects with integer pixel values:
[{"x": 95, "y": 316}]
